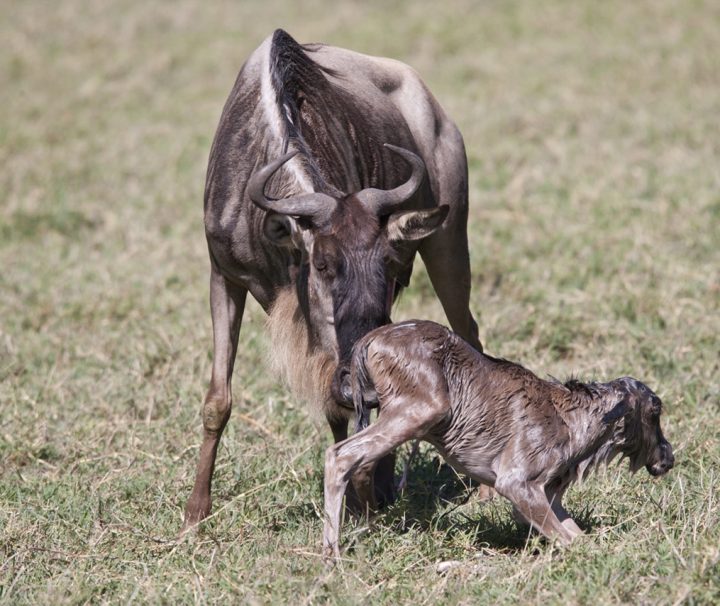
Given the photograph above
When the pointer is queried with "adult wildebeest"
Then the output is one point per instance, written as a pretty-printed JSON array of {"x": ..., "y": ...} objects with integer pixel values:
[
  {"x": 323, "y": 236},
  {"x": 493, "y": 420}
]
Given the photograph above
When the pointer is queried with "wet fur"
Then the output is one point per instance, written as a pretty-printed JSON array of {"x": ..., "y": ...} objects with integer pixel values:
[{"x": 491, "y": 419}]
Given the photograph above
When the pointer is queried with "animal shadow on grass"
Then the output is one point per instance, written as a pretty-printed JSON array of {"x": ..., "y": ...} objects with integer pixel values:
[{"x": 434, "y": 486}]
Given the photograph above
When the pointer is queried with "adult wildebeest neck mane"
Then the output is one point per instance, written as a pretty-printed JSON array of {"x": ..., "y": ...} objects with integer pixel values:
[
  {"x": 328, "y": 172},
  {"x": 305, "y": 369},
  {"x": 303, "y": 94}
]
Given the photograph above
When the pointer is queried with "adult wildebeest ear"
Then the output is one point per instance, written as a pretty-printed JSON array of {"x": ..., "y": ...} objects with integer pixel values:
[
  {"x": 415, "y": 224},
  {"x": 282, "y": 230}
]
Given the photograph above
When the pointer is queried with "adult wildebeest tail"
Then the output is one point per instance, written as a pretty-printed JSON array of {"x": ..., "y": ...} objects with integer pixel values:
[{"x": 363, "y": 388}]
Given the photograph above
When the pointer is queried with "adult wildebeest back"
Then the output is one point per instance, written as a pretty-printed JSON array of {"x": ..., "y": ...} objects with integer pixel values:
[{"x": 328, "y": 172}]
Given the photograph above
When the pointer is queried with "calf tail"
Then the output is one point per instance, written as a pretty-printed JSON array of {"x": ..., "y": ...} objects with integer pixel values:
[{"x": 363, "y": 389}]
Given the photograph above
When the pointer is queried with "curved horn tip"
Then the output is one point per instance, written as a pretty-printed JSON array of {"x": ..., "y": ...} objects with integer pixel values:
[
  {"x": 409, "y": 156},
  {"x": 259, "y": 178},
  {"x": 396, "y": 149}
]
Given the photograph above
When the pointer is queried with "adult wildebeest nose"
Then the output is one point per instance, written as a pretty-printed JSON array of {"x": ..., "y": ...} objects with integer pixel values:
[{"x": 341, "y": 388}]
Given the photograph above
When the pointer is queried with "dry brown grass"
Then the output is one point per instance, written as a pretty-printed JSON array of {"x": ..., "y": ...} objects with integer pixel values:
[{"x": 592, "y": 132}]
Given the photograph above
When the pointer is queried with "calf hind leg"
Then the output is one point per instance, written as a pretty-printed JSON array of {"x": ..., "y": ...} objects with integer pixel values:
[
  {"x": 361, "y": 452},
  {"x": 380, "y": 479}
]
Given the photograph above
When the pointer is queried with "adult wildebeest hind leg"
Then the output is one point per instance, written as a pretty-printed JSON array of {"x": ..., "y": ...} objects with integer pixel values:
[
  {"x": 445, "y": 252},
  {"x": 227, "y": 303}
]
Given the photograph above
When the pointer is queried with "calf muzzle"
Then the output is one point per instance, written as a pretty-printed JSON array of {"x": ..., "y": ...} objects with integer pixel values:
[{"x": 665, "y": 461}]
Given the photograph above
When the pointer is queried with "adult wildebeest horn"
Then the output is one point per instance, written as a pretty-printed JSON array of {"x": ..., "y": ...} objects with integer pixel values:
[
  {"x": 316, "y": 206},
  {"x": 382, "y": 201}
]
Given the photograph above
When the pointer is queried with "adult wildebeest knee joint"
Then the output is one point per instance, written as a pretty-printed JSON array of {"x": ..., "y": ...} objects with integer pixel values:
[{"x": 491, "y": 419}]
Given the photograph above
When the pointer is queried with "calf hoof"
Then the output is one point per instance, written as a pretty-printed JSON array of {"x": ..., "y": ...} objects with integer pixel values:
[{"x": 485, "y": 493}]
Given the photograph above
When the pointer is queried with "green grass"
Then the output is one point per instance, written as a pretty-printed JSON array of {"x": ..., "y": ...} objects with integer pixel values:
[{"x": 592, "y": 133}]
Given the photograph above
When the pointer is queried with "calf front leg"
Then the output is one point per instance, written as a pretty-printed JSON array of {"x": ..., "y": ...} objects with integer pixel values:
[
  {"x": 554, "y": 497},
  {"x": 227, "y": 303},
  {"x": 531, "y": 502}
]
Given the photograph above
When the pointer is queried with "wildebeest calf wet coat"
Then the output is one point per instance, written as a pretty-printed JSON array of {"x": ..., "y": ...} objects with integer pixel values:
[
  {"x": 328, "y": 172},
  {"x": 491, "y": 419}
]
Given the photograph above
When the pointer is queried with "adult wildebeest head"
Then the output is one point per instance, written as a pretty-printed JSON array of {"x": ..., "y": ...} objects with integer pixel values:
[
  {"x": 348, "y": 245},
  {"x": 641, "y": 437}
]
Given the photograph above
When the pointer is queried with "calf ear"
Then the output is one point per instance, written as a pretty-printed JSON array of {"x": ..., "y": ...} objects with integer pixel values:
[
  {"x": 283, "y": 231},
  {"x": 415, "y": 224},
  {"x": 617, "y": 412},
  {"x": 621, "y": 405}
]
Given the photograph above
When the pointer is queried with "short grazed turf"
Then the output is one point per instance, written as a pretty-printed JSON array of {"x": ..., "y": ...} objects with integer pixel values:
[{"x": 593, "y": 137}]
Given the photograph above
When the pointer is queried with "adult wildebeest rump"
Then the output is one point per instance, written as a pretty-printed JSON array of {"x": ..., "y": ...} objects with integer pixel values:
[
  {"x": 493, "y": 420},
  {"x": 323, "y": 236}
]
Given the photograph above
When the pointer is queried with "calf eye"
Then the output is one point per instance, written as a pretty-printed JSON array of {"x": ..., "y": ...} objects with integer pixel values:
[{"x": 656, "y": 406}]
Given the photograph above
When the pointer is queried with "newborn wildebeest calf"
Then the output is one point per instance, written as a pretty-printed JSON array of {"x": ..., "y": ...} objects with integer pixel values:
[{"x": 491, "y": 419}]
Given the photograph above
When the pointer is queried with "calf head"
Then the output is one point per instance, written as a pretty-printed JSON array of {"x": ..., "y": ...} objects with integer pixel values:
[
  {"x": 348, "y": 248},
  {"x": 642, "y": 439}
]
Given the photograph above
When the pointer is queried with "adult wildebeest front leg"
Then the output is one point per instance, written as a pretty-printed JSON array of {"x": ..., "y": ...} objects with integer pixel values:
[
  {"x": 227, "y": 303},
  {"x": 446, "y": 255},
  {"x": 448, "y": 265}
]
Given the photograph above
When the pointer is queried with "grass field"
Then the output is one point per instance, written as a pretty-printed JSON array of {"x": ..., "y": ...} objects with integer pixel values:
[{"x": 593, "y": 135}]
